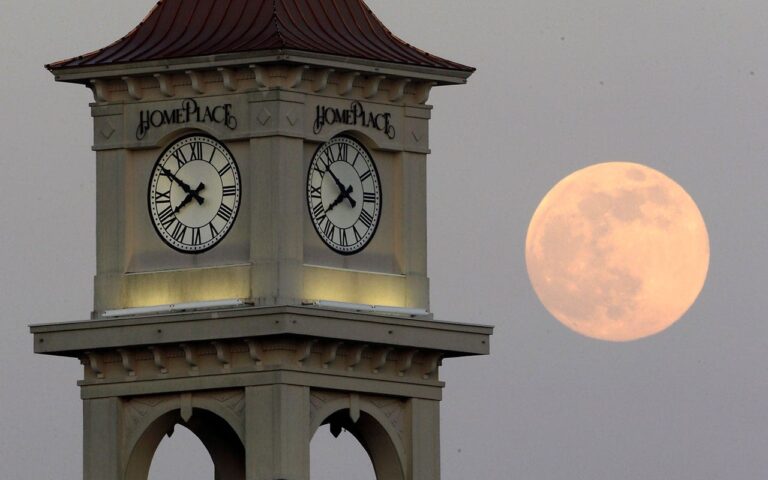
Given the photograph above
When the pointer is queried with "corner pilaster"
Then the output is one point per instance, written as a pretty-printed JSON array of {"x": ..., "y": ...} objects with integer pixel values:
[
  {"x": 277, "y": 432},
  {"x": 102, "y": 439},
  {"x": 424, "y": 439}
]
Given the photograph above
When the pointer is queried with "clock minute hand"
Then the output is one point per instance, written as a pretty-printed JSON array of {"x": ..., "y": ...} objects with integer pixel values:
[
  {"x": 344, "y": 190},
  {"x": 182, "y": 184}
]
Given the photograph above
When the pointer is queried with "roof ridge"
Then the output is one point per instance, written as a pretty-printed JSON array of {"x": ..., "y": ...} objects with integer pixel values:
[{"x": 277, "y": 25}]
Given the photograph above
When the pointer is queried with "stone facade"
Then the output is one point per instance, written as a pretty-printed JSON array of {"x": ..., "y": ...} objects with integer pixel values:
[
  {"x": 255, "y": 384},
  {"x": 256, "y": 379}
]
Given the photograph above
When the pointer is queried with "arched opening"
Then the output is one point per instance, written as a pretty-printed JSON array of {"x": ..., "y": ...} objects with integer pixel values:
[
  {"x": 370, "y": 434},
  {"x": 223, "y": 445},
  {"x": 338, "y": 457},
  {"x": 182, "y": 455}
]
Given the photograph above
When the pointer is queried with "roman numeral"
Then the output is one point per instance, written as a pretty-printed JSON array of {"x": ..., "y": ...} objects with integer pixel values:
[
  {"x": 357, "y": 155},
  {"x": 163, "y": 197},
  {"x": 197, "y": 151},
  {"x": 344, "y": 242},
  {"x": 343, "y": 152},
  {"x": 318, "y": 212},
  {"x": 225, "y": 213},
  {"x": 369, "y": 197},
  {"x": 314, "y": 192},
  {"x": 229, "y": 191},
  {"x": 365, "y": 176},
  {"x": 225, "y": 169},
  {"x": 329, "y": 230},
  {"x": 321, "y": 165},
  {"x": 326, "y": 159},
  {"x": 181, "y": 159},
  {"x": 178, "y": 232},
  {"x": 166, "y": 217},
  {"x": 357, "y": 235},
  {"x": 366, "y": 218},
  {"x": 214, "y": 232},
  {"x": 197, "y": 238}
]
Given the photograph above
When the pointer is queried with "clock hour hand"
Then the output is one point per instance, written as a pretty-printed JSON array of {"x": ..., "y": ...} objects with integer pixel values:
[
  {"x": 340, "y": 198},
  {"x": 190, "y": 195},
  {"x": 344, "y": 191},
  {"x": 183, "y": 185}
]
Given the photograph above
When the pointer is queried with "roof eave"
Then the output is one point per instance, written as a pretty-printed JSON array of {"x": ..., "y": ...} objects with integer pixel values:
[{"x": 82, "y": 75}]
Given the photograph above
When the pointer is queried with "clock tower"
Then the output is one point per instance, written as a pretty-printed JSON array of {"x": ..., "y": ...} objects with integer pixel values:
[{"x": 261, "y": 241}]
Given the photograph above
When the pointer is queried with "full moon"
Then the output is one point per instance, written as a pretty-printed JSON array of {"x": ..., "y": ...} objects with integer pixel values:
[{"x": 617, "y": 251}]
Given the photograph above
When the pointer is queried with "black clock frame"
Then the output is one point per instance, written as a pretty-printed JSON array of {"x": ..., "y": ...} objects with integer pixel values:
[
  {"x": 149, "y": 191},
  {"x": 381, "y": 195}
]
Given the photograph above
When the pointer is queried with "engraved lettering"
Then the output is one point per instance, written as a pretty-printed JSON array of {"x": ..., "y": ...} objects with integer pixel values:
[
  {"x": 188, "y": 112},
  {"x": 353, "y": 116}
]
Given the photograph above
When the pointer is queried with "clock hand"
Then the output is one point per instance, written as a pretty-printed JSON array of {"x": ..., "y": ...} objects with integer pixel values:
[
  {"x": 181, "y": 183},
  {"x": 340, "y": 198},
  {"x": 343, "y": 189},
  {"x": 200, "y": 200},
  {"x": 190, "y": 195}
]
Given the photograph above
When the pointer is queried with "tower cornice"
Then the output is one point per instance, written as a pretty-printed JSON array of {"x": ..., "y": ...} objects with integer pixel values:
[
  {"x": 86, "y": 74},
  {"x": 76, "y": 338}
]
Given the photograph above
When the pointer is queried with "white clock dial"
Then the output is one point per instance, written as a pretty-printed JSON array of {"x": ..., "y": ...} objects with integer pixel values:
[
  {"x": 194, "y": 193},
  {"x": 344, "y": 195}
]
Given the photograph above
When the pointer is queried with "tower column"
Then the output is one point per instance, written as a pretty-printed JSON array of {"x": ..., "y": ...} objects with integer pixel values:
[
  {"x": 102, "y": 432},
  {"x": 424, "y": 440},
  {"x": 277, "y": 424}
]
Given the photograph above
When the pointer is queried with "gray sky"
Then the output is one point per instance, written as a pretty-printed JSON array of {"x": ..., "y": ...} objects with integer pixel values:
[{"x": 681, "y": 86}]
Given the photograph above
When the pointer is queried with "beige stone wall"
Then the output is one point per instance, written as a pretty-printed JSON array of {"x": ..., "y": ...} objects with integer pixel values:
[{"x": 272, "y": 255}]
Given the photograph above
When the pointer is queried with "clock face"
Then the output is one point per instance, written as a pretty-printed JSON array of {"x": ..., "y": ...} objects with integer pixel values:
[
  {"x": 194, "y": 193},
  {"x": 344, "y": 195}
]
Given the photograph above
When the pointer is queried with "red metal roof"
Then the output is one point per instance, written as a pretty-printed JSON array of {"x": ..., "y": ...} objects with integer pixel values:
[{"x": 191, "y": 28}]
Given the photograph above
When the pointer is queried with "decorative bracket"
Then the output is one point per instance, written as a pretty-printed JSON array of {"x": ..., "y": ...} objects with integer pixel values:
[
  {"x": 380, "y": 358},
  {"x": 159, "y": 357},
  {"x": 127, "y": 358},
  {"x": 198, "y": 84},
  {"x": 354, "y": 356},
  {"x": 295, "y": 76},
  {"x": 431, "y": 363},
  {"x": 222, "y": 354},
  {"x": 229, "y": 79},
  {"x": 99, "y": 88},
  {"x": 304, "y": 350},
  {"x": 134, "y": 87},
  {"x": 346, "y": 82},
  {"x": 259, "y": 74},
  {"x": 321, "y": 79},
  {"x": 372, "y": 85},
  {"x": 422, "y": 92},
  {"x": 127, "y": 364},
  {"x": 397, "y": 90},
  {"x": 330, "y": 353},
  {"x": 405, "y": 362},
  {"x": 256, "y": 352},
  {"x": 190, "y": 355},
  {"x": 165, "y": 83},
  {"x": 94, "y": 360}
]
